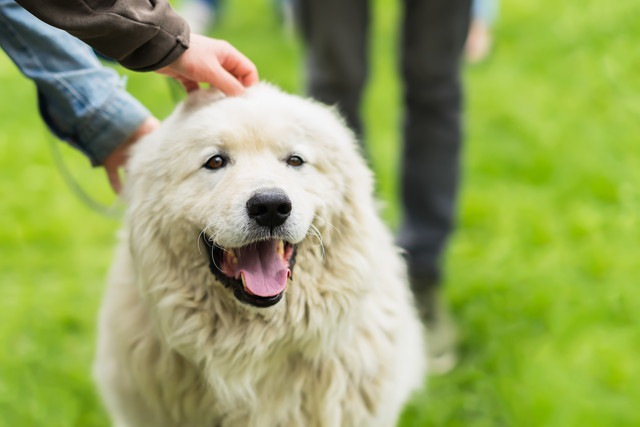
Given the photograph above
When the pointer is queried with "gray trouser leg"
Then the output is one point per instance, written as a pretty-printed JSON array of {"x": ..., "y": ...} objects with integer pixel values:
[
  {"x": 335, "y": 35},
  {"x": 434, "y": 33}
]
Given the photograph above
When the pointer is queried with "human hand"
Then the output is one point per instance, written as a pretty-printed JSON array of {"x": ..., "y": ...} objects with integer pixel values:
[
  {"x": 215, "y": 62},
  {"x": 118, "y": 158}
]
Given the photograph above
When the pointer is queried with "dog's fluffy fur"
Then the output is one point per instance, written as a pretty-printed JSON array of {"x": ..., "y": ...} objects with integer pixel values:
[{"x": 342, "y": 348}]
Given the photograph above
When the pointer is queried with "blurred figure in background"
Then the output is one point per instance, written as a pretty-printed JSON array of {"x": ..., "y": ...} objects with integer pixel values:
[
  {"x": 335, "y": 33},
  {"x": 479, "y": 42},
  {"x": 201, "y": 15}
]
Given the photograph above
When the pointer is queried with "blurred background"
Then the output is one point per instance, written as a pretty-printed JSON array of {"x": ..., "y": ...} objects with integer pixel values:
[{"x": 542, "y": 273}]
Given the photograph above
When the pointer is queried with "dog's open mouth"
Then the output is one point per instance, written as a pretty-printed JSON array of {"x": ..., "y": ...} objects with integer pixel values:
[{"x": 257, "y": 273}]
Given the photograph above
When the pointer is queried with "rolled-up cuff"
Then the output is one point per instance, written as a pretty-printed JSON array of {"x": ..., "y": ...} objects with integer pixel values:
[
  {"x": 142, "y": 35},
  {"x": 142, "y": 59},
  {"x": 109, "y": 125},
  {"x": 169, "y": 42}
]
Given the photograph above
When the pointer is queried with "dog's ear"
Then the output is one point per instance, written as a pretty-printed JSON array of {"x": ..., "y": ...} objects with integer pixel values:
[{"x": 200, "y": 98}]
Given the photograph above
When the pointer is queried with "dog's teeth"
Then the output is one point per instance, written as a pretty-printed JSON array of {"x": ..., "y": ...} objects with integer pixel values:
[{"x": 280, "y": 248}]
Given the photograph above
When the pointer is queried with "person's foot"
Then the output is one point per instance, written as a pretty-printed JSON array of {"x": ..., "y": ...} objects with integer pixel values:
[
  {"x": 441, "y": 331},
  {"x": 442, "y": 339},
  {"x": 479, "y": 41}
]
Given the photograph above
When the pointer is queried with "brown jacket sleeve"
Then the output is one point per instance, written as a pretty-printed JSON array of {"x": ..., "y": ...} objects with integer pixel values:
[{"x": 142, "y": 35}]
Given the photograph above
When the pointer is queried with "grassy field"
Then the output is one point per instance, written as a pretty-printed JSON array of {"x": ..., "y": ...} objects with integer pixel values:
[{"x": 542, "y": 272}]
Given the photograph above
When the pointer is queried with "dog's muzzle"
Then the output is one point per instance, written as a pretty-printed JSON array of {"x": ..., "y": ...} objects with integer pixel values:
[{"x": 258, "y": 273}]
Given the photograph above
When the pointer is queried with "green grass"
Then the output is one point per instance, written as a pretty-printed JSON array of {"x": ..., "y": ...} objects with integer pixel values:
[{"x": 542, "y": 272}]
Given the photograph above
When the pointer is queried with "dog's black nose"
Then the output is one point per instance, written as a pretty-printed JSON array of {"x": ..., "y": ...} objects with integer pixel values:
[{"x": 270, "y": 207}]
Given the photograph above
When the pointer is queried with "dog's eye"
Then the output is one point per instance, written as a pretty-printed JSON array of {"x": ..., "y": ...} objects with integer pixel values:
[
  {"x": 295, "y": 161},
  {"x": 216, "y": 162}
]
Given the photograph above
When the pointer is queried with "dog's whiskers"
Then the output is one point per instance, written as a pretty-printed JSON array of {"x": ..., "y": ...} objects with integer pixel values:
[
  {"x": 213, "y": 258},
  {"x": 203, "y": 232},
  {"x": 324, "y": 221},
  {"x": 212, "y": 245},
  {"x": 313, "y": 231},
  {"x": 206, "y": 236}
]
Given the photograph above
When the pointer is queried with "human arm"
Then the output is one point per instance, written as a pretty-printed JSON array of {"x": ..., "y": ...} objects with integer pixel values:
[
  {"x": 149, "y": 36},
  {"x": 81, "y": 101},
  {"x": 139, "y": 34}
]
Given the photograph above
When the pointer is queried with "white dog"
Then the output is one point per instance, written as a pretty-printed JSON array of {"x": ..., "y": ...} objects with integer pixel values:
[{"x": 255, "y": 284}]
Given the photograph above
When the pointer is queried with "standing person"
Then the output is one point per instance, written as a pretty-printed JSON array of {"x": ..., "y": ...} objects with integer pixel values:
[
  {"x": 483, "y": 15},
  {"x": 85, "y": 103},
  {"x": 200, "y": 14},
  {"x": 335, "y": 33}
]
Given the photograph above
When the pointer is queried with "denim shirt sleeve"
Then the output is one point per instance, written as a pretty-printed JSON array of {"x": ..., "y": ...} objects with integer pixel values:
[
  {"x": 81, "y": 101},
  {"x": 142, "y": 35}
]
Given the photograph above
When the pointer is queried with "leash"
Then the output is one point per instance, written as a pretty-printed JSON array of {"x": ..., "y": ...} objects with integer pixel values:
[
  {"x": 116, "y": 209},
  {"x": 113, "y": 211}
]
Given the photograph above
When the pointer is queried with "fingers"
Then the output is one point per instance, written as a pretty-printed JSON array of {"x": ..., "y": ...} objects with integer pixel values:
[
  {"x": 250, "y": 79},
  {"x": 189, "y": 85},
  {"x": 116, "y": 161},
  {"x": 215, "y": 62},
  {"x": 239, "y": 66},
  {"x": 233, "y": 71},
  {"x": 114, "y": 179},
  {"x": 226, "y": 82}
]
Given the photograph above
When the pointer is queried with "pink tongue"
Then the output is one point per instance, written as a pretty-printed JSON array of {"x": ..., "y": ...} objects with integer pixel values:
[{"x": 265, "y": 272}]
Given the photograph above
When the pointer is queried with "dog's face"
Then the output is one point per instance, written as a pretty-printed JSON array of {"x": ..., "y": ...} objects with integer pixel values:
[{"x": 245, "y": 176}]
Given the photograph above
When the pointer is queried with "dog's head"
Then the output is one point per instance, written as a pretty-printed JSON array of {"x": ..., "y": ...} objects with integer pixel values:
[{"x": 248, "y": 179}]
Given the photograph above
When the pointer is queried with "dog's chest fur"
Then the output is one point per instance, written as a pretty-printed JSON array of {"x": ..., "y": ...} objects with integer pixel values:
[{"x": 314, "y": 361}]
